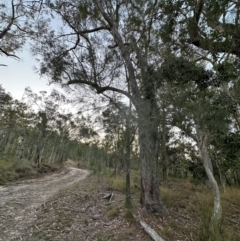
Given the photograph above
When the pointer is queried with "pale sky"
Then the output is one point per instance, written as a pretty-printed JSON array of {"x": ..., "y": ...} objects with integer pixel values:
[{"x": 20, "y": 74}]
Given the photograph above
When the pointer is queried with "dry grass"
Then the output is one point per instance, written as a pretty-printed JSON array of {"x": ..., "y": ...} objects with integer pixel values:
[
  {"x": 113, "y": 212},
  {"x": 11, "y": 170},
  {"x": 191, "y": 208},
  {"x": 117, "y": 183},
  {"x": 231, "y": 195},
  {"x": 16, "y": 169}
]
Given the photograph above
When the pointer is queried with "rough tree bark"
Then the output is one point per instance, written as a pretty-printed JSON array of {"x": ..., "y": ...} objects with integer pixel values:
[
  {"x": 149, "y": 151},
  {"x": 128, "y": 201},
  {"x": 150, "y": 194}
]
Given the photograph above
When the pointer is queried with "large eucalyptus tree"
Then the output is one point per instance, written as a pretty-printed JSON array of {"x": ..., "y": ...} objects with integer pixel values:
[{"x": 101, "y": 47}]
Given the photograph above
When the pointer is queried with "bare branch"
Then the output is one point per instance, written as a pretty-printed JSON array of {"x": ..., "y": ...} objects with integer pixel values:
[
  {"x": 198, "y": 10},
  {"x": 98, "y": 88},
  {"x": 9, "y": 55},
  {"x": 94, "y": 30}
]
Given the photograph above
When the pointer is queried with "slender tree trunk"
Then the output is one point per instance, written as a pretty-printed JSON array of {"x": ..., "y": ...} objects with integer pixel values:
[
  {"x": 164, "y": 173},
  {"x": 64, "y": 151},
  {"x": 236, "y": 177},
  {"x": 51, "y": 155},
  {"x": 39, "y": 156},
  {"x": 222, "y": 179},
  {"x": 203, "y": 149},
  {"x": 53, "y": 151},
  {"x": 33, "y": 153},
  {"x": 54, "y": 156},
  {"x": 128, "y": 201},
  {"x": 164, "y": 158},
  {"x": 8, "y": 145}
]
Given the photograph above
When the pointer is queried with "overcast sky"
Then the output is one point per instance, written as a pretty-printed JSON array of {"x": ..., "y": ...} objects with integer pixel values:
[{"x": 20, "y": 74}]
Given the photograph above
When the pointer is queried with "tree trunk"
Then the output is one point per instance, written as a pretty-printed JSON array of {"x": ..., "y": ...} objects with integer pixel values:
[
  {"x": 203, "y": 149},
  {"x": 222, "y": 179},
  {"x": 164, "y": 173},
  {"x": 164, "y": 157},
  {"x": 150, "y": 193},
  {"x": 147, "y": 127},
  {"x": 128, "y": 201},
  {"x": 149, "y": 150},
  {"x": 39, "y": 156}
]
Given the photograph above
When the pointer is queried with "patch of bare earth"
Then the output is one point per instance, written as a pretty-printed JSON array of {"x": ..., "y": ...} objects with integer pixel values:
[
  {"x": 82, "y": 213},
  {"x": 20, "y": 202}
]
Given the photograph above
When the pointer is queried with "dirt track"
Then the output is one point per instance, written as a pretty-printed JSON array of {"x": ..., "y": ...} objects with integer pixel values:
[{"x": 19, "y": 202}]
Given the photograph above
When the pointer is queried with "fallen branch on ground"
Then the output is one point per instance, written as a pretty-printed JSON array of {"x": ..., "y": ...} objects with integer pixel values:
[
  {"x": 149, "y": 230},
  {"x": 231, "y": 220},
  {"x": 109, "y": 196}
]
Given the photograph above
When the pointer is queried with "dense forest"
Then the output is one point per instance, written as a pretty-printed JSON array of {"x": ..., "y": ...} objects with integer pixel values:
[{"x": 154, "y": 84}]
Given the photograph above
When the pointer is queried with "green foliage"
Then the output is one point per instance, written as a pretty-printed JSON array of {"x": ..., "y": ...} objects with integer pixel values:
[
  {"x": 169, "y": 15},
  {"x": 181, "y": 157},
  {"x": 197, "y": 98},
  {"x": 83, "y": 9},
  {"x": 86, "y": 132},
  {"x": 227, "y": 71},
  {"x": 179, "y": 71},
  {"x": 207, "y": 231}
]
